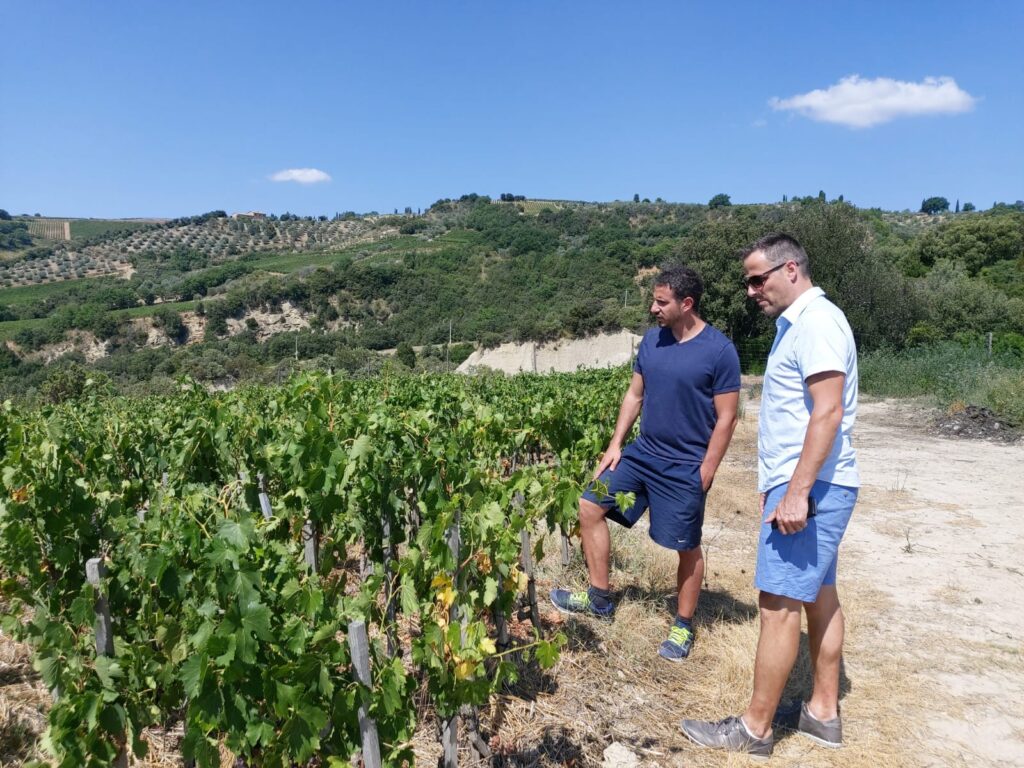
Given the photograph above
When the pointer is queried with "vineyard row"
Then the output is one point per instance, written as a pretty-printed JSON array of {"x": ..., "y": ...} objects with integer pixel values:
[{"x": 401, "y": 504}]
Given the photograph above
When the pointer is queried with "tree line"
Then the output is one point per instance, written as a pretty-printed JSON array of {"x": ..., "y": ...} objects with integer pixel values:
[{"x": 494, "y": 273}]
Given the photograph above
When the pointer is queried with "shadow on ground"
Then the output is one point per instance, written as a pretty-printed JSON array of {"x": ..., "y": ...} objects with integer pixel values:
[
  {"x": 17, "y": 741},
  {"x": 801, "y": 679},
  {"x": 556, "y": 747},
  {"x": 717, "y": 607}
]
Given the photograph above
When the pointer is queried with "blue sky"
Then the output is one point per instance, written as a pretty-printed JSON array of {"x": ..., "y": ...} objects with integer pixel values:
[{"x": 118, "y": 109}]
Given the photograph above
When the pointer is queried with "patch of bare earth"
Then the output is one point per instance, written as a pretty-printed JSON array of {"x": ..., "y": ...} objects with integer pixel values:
[
  {"x": 196, "y": 325},
  {"x": 75, "y": 341},
  {"x": 939, "y": 534},
  {"x": 289, "y": 318}
]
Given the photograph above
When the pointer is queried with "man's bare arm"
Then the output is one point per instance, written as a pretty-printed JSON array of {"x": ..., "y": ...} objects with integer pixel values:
[
  {"x": 628, "y": 412},
  {"x": 726, "y": 409},
  {"x": 826, "y": 390}
]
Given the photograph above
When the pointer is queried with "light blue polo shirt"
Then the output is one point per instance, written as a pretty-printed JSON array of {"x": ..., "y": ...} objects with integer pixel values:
[{"x": 812, "y": 336}]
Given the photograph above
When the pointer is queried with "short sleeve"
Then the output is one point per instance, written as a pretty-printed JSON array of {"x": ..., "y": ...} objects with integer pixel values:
[
  {"x": 727, "y": 371},
  {"x": 641, "y": 354},
  {"x": 823, "y": 346}
]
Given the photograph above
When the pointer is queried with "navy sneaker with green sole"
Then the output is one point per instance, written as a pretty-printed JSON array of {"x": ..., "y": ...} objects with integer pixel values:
[
  {"x": 580, "y": 602},
  {"x": 678, "y": 644}
]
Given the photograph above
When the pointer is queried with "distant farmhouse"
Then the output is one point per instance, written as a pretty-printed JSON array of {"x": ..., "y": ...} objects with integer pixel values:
[{"x": 249, "y": 215}]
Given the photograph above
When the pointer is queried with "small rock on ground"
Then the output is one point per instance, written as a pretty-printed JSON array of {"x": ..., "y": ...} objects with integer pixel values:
[{"x": 618, "y": 755}]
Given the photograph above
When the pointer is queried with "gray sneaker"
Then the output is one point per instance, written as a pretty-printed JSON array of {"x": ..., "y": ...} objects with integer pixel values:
[
  {"x": 827, "y": 733},
  {"x": 730, "y": 734}
]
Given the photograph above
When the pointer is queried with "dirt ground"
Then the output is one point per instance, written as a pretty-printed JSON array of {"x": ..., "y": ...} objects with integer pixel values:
[
  {"x": 931, "y": 576},
  {"x": 938, "y": 531}
]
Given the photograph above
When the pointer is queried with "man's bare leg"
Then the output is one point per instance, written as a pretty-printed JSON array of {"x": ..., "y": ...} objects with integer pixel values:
[
  {"x": 689, "y": 576},
  {"x": 777, "y": 648},
  {"x": 825, "y": 628},
  {"x": 596, "y": 542}
]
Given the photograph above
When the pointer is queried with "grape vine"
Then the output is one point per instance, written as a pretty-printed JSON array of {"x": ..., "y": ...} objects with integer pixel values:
[{"x": 219, "y": 623}]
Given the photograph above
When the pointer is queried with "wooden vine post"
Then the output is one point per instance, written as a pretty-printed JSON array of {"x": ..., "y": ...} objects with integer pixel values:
[
  {"x": 526, "y": 563},
  {"x": 95, "y": 570},
  {"x": 265, "y": 507},
  {"x": 359, "y": 647},
  {"x": 450, "y": 727},
  {"x": 311, "y": 545},
  {"x": 390, "y": 607},
  {"x": 504, "y": 639},
  {"x": 468, "y": 714}
]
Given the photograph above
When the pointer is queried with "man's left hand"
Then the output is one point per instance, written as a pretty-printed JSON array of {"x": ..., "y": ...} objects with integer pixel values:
[
  {"x": 790, "y": 514},
  {"x": 706, "y": 478}
]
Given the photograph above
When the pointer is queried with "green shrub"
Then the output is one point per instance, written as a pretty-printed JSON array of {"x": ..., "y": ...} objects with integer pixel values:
[
  {"x": 923, "y": 334},
  {"x": 1009, "y": 344},
  {"x": 1005, "y": 395},
  {"x": 406, "y": 355}
]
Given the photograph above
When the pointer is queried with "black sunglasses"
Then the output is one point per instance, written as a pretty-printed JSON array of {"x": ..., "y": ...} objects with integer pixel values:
[{"x": 756, "y": 281}]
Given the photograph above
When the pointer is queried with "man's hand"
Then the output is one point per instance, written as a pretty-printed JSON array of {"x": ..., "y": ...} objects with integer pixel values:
[
  {"x": 610, "y": 458},
  {"x": 707, "y": 477},
  {"x": 826, "y": 390},
  {"x": 790, "y": 514}
]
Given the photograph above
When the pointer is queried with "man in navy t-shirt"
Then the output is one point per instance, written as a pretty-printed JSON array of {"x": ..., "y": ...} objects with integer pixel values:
[{"x": 685, "y": 388}]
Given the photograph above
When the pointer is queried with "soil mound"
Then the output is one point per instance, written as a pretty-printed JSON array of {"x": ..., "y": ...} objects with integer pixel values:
[{"x": 975, "y": 422}]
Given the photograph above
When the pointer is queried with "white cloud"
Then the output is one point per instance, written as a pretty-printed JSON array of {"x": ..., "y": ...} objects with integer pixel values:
[
  {"x": 759, "y": 123},
  {"x": 859, "y": 103},
  {"x": 301, "y": 175}
]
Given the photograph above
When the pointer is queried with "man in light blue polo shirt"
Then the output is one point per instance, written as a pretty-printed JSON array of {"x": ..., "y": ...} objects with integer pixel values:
[{"x": 807, "y": 476}]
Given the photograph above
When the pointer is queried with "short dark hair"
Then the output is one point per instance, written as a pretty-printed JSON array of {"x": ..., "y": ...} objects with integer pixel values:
[
  {"x": 778, "y": 248},
  {"x": 684, "y": 282}
]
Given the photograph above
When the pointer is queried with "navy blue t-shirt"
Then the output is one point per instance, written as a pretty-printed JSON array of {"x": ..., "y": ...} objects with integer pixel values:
[{"x": 680, "y": 382}]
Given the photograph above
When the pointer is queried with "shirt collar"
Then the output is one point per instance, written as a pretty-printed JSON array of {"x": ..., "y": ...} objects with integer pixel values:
[{"x": 793, "y": 310}]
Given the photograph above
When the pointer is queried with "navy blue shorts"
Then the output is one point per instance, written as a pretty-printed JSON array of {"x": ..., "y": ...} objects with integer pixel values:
[{"x": 671, "y": 489}]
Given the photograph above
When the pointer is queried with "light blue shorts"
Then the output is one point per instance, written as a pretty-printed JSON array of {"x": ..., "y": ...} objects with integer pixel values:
[{"x": 799, "y": 564}]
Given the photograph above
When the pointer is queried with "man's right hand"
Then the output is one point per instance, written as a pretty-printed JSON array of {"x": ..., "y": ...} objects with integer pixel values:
[{"x": 610, "y": 459}]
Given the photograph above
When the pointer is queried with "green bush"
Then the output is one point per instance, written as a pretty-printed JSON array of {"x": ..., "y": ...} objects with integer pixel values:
[
  {"x": 923, "y": 334},
  {"x": 65, "y": 382},
  {"x": 406, "y": 355},
  {"x": 458, "y": 353},
  {"x": 1005, "y": 395},
  {"x": 1009, "y": 344}
]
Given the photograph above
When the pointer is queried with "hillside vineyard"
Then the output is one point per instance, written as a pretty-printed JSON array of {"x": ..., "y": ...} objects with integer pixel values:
[{"x": 240, "y": 535}]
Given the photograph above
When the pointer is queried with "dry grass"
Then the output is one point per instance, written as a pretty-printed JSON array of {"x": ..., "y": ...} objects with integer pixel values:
[
  {"x": 24, "y": 702},
  {"x": 610, "y": 685}
]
